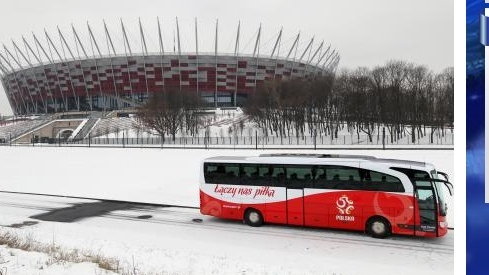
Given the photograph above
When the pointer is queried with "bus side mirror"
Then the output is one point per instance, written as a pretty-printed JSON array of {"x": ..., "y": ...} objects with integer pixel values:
[
  {"x": 449, "y": 187},
  {"x": 444, "y": 175},
  {"x": 447, "y": 184}
]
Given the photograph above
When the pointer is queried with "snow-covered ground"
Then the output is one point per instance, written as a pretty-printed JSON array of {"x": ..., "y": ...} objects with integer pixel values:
[
  {"x": 169, "y": 242},
  {"x": 20, "y": 262},
  {"x": 232, "y": 128},
  {"x": 162, "y": 176}
]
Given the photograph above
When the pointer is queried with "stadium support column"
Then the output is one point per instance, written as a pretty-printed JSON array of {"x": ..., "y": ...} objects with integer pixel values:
[
  {"x": 316, "y": 52},
  {"x": 3, "y": 71},
  {"x": 93, "y": 42},
  {"x": 33, "y": 74},
  {"x": 256, "y": 53},
  {"x": 321, "y": 58},
  {"x": 277, "y": 43},
  {"x": 145, "y": 53},
  {"x": 162, "y": 52},
  {"x": 111, "y": 48},
  {"x": 75, "y": 96},
  {"x": 334, "y": 63},
  {"x": 331, "y": 65},
  {"x": 31, "y": 70},
  {"x": 17, "y": 81},
  {"x": 215, "y": 56},
  {"x": 11, "y": 101},
  {"x": 313, "y": 56},
  {"x": 23, "y": 78},
  {"x": 236, "y": 54},
  {"x": 51, "y": 44},
  {"x": 294, "y": 46},
  {"x": 8, "y": 89},
  {"x": 327, "y": 58},
  {"x": 196, "y": 57},
  {"x": 39, "y": 45},
  {"x": 179, "y": 55},
  {"x": 127, "y": 48},
  {"x": 304, "y": 53},
  {"x": 19, "y": 91},
  {"x": 78, "y": 42},
  {"x": 38, "y": 59}
]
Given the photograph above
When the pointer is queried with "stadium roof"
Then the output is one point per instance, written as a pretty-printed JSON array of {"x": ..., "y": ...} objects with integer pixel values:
[{"x": 49, "y": 49}]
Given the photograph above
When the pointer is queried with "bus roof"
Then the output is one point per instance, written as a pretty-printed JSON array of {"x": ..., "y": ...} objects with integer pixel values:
[{"x": 316, "y": 159}]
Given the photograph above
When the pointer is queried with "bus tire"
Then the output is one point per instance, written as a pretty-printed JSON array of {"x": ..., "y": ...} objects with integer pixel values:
[
  {"x": 378, "y": 227},
  {"x": 253, "y": 217}
]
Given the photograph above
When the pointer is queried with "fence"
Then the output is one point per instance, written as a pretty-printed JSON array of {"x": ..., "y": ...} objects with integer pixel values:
[{"x": 258, "y": 142}]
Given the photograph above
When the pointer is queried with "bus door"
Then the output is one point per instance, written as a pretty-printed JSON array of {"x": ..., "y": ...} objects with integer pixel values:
[
  {"x": 295, "y": 206},
  {"x": 426, "y": 216},
  {"x": 296, "y": 176}
]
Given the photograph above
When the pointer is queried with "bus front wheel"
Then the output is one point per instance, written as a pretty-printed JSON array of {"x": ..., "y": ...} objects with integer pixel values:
[
  {"x": 378, "y": 227},
  {"x": 253, "y": 217}
]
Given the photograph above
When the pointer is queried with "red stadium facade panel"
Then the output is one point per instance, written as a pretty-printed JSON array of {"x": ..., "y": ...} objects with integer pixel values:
[{"x": 117, "y": 82}]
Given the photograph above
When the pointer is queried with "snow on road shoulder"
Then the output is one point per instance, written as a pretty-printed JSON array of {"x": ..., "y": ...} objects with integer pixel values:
[
  {"x": 20, "y": 262},
  {"x": 169, "y": 242}
]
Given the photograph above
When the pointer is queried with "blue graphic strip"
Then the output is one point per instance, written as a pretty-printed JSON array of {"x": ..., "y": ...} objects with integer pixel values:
[{"x": 477, "y": 210}]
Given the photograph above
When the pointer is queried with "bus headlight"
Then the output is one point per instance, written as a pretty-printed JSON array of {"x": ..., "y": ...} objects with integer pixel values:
[{"x": 443, "y": 224}]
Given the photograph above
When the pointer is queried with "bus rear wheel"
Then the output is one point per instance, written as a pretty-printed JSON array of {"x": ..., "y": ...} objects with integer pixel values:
[
  {"x": 378, "y": 227},
  {"x": 253, "y": 218}
]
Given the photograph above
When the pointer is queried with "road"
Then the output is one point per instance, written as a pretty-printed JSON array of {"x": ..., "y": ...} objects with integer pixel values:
[{"x": 181, "y": 240}]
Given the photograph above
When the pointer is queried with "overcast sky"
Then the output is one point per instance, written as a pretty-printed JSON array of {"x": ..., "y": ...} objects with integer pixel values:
[{"x": 366, "y": 33}]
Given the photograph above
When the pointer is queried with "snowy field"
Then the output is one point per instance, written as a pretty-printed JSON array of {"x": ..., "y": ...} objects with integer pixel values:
[
  {"x": 171, "y": 243},
  {"x": 162, "y": 176}
]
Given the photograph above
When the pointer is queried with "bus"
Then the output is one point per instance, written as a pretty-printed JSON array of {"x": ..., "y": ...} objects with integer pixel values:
[{"x": 361, "y": 193}]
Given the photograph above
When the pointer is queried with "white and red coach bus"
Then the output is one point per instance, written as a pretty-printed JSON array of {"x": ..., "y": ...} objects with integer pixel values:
[{"x": 379, "y": 196}]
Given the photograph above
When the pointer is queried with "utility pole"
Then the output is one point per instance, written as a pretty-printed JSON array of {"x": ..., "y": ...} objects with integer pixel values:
[{"x": 383, "y": 138}]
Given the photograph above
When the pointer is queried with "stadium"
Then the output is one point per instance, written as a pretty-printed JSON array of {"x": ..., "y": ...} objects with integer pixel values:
[
  {"x": 96, "y": 75},
  {"x": 85, "y": 87}
]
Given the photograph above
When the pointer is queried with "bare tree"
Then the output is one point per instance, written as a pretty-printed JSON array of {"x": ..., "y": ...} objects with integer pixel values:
[
  {"x": 171, "y": 112},
  {"x": 404, "y": 98}
]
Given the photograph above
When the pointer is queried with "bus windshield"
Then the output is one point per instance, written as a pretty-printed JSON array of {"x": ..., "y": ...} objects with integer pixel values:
[
  {"x": 441, "y": 197},
  {"x": 422, "y": 178}
]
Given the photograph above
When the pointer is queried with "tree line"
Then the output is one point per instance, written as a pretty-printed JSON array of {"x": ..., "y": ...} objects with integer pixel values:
[{"x": 397, "y": 99}]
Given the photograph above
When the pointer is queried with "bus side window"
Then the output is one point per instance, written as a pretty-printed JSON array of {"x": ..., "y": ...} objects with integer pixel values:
[
  {"x": 382, "y": 182},
  {"x": 216, "y": 173},
  {"x": 263, "y": 177},
  {"x": 299, "y": 176},
  {"x": 210, "y": 171},
  {"x": 231, "y": 174},
  {"x": 347, "y": 178},
  {"x": 320, "y": 178},
  {"x": 249, "y": 174},
  {"x": 277, "y": 176},
  {"x": 412, "y": 173}
]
